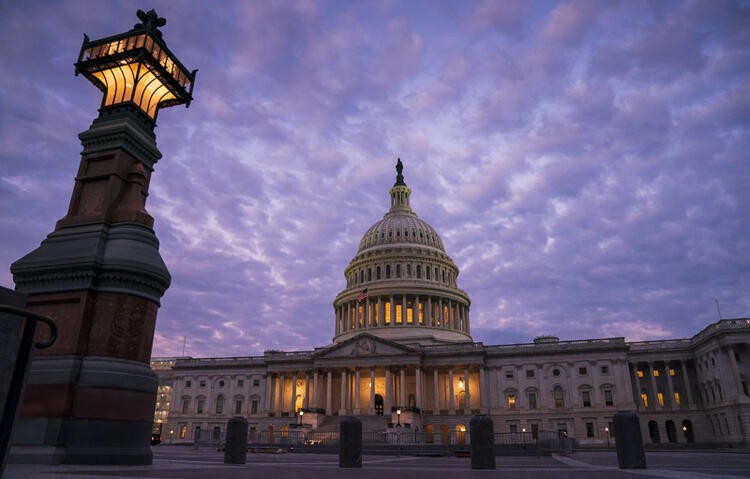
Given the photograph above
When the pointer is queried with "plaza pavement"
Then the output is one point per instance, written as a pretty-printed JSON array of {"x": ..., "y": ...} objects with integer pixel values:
[{"x": 180, "y": 462}]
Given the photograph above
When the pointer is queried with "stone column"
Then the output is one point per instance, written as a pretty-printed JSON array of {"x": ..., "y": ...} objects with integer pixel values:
[
  {"x": 388, "y": 391},
  {"x": 652, "y": 380},
  {"x": 402, "y": 388},
  {"x": 356, "y": 408},
  {"x": 280, "y": 405},
  {"x": 372, "y": 391},
  {"x": 670, "y": 387},
  {"x": 268, "y": 404},
  {"x": 315, "y": 390},
  {"x": 428, "y": 319},
  {"x": 452, "y": 397},
  {"x": 483, "y": 400},
  {"x": 306, "y": 401},
  {"x": 379, "y": 319},
  {"x": 403, "y": 309},
  {"x": 393, "y": 310},
  {"x": 343, "y": 408},
  {"x": 637, "y": 386},
  {"x": 293, "y": 405},
  {"x": 737, "y": 380},
  {"x": 329, "y": 393},
  {"x": 467, "y": 394},
  {"x": 418, "y": 381},
  {"x": 436, "y": 391},
  {"x": 686, "y": 384}
]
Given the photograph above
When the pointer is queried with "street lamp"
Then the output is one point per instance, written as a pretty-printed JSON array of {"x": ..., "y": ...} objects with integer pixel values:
[
  {"x": 301, "y": 413},
  {"x": 606, "y": 431},
  {"x": 171, "y": 432},
  {"x": 137, "y": 68},
  {"x": 398, "y": 415}
]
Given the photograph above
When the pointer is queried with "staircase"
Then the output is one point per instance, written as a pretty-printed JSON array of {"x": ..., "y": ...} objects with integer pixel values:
[{"x": 369, "y": 423}]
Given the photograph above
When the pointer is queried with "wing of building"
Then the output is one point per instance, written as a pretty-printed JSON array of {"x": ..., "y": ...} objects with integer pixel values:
[{"x": 402, "y": 356}]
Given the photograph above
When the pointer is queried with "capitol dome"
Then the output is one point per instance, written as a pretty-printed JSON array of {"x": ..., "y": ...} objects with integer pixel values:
[{"x": 401, "y": 284}]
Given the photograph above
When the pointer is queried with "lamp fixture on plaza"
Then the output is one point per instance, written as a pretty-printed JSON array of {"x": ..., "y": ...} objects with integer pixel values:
[
  {"x": 461, "y": 383},
  {"x": 137, "y": 67},
  {"x": 398, "y": 415},
  {"x": 301, "y": 413}
]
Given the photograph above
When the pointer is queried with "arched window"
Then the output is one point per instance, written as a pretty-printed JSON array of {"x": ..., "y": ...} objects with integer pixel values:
[
  {"x": 398, "y": 270},
  {"x": 361, "y": 276},
  {"x": 408, "y": 270},
  {"x": 559, "y": 395},
  {"x": 220, "y": 404},
  {"x": 387, "y": 271},
  {"x": 377, "y": 272},
  {"x": 427, "y": 272},
  {"x": 419, "y": 272},
  {"x": 369, "y": 274}
]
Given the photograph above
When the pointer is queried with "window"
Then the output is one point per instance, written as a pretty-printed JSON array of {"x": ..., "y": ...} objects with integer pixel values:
[
  {"x": 559, "y": 396},
  {"x": 534, "y": 431},
  {"x": 387, "y": 271},
  {"x": 660, "y": 396},
  {"x": 387, "y": 312},
  {"x": 529, "y": 373},
  {"x": 713, "y": 362},
  {"x": 608, "y": 400},
  {"x": 240, "y": 383},
  {"x": 188, "y": 383},
  {"x": 555, "y": 372},
  {"x": 408, "y": 271},
  {"x": 256, "y": 383},
  {"x": 199, "y": 406},
  {"x": 513, "y": 428},
  {"x": 644, "y": 398},
  {"x": 677, "y": 398},
  {"x": 399, "y": 318},
  {"x": 639, "y": 373},
  {"x": 532, "y": 400},
  {"x": 672, "y": 372},
  {"x": 582, "y": 371},
  {"x": 511, "y": 400},
  {"x": 202, "y": 383},
  {"x": 185, "y": 405},
  {"x": 398, "y": 270},
  {"x": 589, "y": 429},
  {"x": 605, "y": 369},
  {"x": 220, "y": 405},
  {"x": 183, "y": 431},
  {"x": 656, "y": 373},
  {"x": 238, "y": 406},
  {"x": 419, "y": 272},
  {"x": 427, "y": 272},
  {"x": 586, "y": 398},
  {"x": 361, "y": 276},
  {"x": 377, "y": 272},
  {"x": 369, "y": 274},
  {"x": 509, "y": 374},
  {"x": 254, "y": 407}
]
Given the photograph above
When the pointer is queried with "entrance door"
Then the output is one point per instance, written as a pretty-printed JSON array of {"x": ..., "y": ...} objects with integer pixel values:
[{"x": 378, "y": 405}]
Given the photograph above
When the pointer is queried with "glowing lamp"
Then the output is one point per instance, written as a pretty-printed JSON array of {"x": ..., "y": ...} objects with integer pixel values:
[
  {"x": 136, "y": 67},
  {"x": 460, "y": 383}
]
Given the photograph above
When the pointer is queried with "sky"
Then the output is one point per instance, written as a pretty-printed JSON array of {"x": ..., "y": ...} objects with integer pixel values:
[{"x": 585, "y": 163}]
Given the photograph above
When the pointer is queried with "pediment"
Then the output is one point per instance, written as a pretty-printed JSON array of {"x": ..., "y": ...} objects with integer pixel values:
[{"x": 364, "y": 345}]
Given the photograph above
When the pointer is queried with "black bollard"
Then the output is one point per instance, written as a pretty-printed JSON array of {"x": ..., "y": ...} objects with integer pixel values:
[
  {"x": 350, "y": 442},
  {"x": 482, "y": 443},
  {"x": 235, "y": 449},
  {"x": 630, "y": 453}
]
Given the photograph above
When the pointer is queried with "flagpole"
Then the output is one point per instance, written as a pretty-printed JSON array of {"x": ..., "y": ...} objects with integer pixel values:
[{"x": 717, "y": 308}]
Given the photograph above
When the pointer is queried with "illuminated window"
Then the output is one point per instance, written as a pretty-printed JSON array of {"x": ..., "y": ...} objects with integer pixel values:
[
  {"x": 421, "y": 313},
  {"x": 660, "y": 397},
  {"x": 672, "y": 372},
  {"x": 511, "y": 401},
  {"x": 639, "y": 373},
  {"x": 376, "y": 319},
  {"x": 656, "y": 373},
  {"x": 183, "y": 431},
  {"x": 644, "y": 398},
  {"x": 409, "y": 313},
  {"x": 677, "y": 398},
  {"x": 387, "y": 312},
  {"x": 399, "y": 316},
  {"x": 360, "y": 315}
]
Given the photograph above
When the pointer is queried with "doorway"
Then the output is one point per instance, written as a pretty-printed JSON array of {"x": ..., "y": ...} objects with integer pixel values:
[{"x": 378, "y": 405}]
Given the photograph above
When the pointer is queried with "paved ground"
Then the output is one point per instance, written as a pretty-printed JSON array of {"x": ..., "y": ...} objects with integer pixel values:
[{"x": 188, "y": 463}]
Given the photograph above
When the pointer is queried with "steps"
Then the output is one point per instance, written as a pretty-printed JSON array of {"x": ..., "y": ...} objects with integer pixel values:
[{"x": 369, "y": 423}]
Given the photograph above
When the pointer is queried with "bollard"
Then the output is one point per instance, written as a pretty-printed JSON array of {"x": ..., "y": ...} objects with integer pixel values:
[
  {"x": 235, "y": 449},
  {"x": 482, "y": 443},
  {"x": 350, "y": 442},
  {"x": 630, "y": 452}
]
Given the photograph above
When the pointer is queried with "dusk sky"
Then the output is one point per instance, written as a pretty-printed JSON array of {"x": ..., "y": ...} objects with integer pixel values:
[{"x": 586, "y": 163}]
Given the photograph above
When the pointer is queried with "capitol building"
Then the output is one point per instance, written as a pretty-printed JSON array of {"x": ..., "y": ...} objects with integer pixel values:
[{"x": 402, "y": 355}]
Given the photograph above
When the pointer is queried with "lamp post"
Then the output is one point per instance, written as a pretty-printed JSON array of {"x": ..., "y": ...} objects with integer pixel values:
[
  {"x": 99, "y": 274},
  {"x": 301, "y": 413},
  {"x": 398, "y": 416},
  {"x": 171, "y": 433},
  {"x": 606, "y": 431}
]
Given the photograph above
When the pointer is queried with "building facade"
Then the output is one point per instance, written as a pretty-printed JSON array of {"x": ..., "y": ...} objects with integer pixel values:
[{"x": 402, "y": 355}]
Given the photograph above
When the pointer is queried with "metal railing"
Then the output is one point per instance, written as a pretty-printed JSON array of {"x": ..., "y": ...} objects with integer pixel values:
[{"x": 15, "y": 387}]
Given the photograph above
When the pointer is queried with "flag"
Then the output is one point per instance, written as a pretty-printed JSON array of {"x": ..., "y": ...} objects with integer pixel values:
[{"x": 362, "y": 295}]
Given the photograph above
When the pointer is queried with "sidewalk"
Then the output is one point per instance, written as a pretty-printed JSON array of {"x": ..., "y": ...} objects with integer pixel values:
[{"x": 181, "y": 462}]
